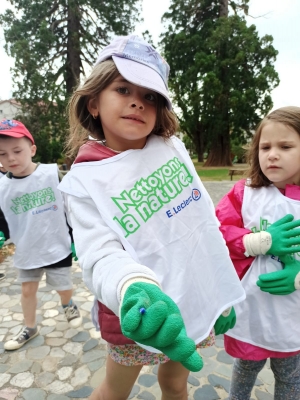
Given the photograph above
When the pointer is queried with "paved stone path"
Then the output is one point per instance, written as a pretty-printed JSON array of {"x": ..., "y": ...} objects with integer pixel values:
[{"x": 63, "y": 363}]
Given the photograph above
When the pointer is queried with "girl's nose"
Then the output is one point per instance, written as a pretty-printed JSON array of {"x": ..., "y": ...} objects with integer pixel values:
[
  {"x": 137, "y": 104},
  {"x": 273, "y": 155}
]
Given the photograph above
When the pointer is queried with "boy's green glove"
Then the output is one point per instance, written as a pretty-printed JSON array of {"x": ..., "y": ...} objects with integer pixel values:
[
  {"x": 150, "y": 317},
  {"x": 2, "y": 239},
  {"x": 224, "y": 323},
  {"x": 282, "y": 282},
  {"x": 74, "y": 252},
  {"x": 284, "y": 236}
]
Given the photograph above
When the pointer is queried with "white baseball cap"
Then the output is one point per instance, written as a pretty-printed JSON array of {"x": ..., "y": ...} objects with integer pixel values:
[{"x": 139, "y": 63}]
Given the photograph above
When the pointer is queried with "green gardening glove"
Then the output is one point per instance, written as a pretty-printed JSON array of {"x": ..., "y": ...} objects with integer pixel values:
[
  {"x": 150, "y": 317},
  {"x": 284, "y": 236},
  {"x": 74, "y": 252},
  {"x": 2, "y": 239},
  {"x": 225, "y": 321},
  {"x": 282, "y": 282}
]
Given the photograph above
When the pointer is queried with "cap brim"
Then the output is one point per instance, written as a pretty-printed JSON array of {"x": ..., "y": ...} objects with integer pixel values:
[
  {"x": 141, "y": 75},
  {"x": 17, "y": 135}
]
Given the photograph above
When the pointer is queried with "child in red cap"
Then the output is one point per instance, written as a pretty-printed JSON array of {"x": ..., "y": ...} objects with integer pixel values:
[{"x": 34, "y": 210}]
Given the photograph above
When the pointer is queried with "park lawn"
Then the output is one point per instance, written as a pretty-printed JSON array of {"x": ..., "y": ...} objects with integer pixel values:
[{"x": 213, "y": 173}]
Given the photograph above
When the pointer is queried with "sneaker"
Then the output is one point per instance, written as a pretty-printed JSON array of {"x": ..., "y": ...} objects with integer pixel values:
[
  {"x": 2, "y": 276},
  {"x": 73, "y": 316},
  {"x": 19, "y": 340}
]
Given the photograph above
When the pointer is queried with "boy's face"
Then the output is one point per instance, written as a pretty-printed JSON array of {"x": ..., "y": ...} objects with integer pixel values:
[{"x": 16, "y": 154}]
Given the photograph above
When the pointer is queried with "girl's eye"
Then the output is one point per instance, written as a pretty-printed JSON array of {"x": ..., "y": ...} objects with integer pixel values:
[
  {"x": 264, "y": 148},
  {"x": 122, "y": 90},
  {"x": 286, "y": 147},
  {"x": 17, "y": 152},
  {"x": 150, "y": 97}
]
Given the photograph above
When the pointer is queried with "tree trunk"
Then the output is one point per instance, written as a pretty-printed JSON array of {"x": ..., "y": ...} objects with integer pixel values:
[
  {"x": 73, "y": 63},
  {"x": 220, "y": 154},
  {"x": 223, "y": 8},
  {"x": 198, "y": 140}
]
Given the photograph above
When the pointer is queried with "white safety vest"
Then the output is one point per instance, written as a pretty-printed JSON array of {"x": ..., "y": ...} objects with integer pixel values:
[
  {"x": 33, "y": 208},
  {"x": 265, "y": 320},
  {"x": 155, "y": 202}
]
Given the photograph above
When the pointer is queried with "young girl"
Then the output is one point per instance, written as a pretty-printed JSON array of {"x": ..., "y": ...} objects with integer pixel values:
[
  {"x": 257, "y": 222},
  {"x": 146, "y": 234}
]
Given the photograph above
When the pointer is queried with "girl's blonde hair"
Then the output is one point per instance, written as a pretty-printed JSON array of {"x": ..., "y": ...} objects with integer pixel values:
[
  {"x": 82, "y": 123},
  {"x": 289, "y": 116}
]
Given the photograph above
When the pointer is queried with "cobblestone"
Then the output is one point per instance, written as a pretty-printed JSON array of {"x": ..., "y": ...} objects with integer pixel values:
[{"x": 65, "y": 364}]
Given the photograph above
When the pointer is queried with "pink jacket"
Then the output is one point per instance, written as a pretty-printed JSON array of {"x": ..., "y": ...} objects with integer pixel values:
[{"x": 229, "y": 213}]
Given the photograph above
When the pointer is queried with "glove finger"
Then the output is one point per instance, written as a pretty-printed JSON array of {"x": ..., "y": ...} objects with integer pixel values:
[
  {"x": 291, "y": 225},
  {"x": 182, "y": 348},
  {"x": 292, "y": 233},
  {"x": 193, "y": 363},
  {"x": 168, "y": 332},
  {"x": 270, "y": 285},
  {"x": 278, "y": 291},
  {"x": 286, "y": 219},
  {"x": 150, "y": 322},
  {"x": 276, "y": 276},
  {"x": 130, "y": 312}
]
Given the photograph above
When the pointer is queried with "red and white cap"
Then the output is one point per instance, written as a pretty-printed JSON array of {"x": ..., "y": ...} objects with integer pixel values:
[{"x": 15, "y": 129}]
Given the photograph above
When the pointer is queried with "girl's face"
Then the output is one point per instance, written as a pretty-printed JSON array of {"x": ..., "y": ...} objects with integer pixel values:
[
  {"x": 279, "y": 154},
  {"x": 127, "y": 113}
]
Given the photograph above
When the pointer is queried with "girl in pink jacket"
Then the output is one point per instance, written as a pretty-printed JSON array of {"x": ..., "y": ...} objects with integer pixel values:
[{"x": 260, "y": 223}]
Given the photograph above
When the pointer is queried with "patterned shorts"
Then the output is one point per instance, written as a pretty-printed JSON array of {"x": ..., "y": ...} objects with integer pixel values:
[{"x": 132, "y": 354}]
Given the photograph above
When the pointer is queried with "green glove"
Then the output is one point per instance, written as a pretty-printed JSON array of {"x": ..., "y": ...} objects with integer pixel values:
[
  {"x": 150, "y": 317},
  {"x": 74, "y": 252},
  {"x": 223, "y": 324},
  {"x": 282, "y": 282},
  {"x": 2, "y": 239},
  {"x": 284, "y": 236}
]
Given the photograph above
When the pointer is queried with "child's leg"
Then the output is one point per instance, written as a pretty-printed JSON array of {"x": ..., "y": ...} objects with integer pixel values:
[
  {"x": 118, "y": 382},
  {"x": 172, "y": 378},
  {"x": 243, "y": 378},
  {"x": 60, "y": 279},
  {"x": 29, "y": 303},
  {"x": 287, "y": 377}
]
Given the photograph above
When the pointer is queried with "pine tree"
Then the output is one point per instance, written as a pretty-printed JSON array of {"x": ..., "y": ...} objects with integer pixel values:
[{"x": 222, "y": 73}]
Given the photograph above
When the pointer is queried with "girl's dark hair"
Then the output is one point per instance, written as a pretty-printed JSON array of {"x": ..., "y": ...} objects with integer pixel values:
[
  {"x": 82, "y": 123},
  {"x": 289, "y": 116}
]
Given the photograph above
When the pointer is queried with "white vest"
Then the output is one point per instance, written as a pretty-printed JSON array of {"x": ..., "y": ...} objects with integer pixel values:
[
  {"x": 155, "y": 202},
  {"x": 34, "y": 210},
  {"x": 265, "y": 320}
]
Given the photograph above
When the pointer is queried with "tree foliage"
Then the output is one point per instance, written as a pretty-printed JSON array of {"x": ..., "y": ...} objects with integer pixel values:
[
  {"x": 222, "y": 73},
  {"x": 53, "y": 42}
]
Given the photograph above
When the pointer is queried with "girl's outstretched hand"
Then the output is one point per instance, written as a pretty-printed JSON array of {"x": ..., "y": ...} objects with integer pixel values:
[
  {"x": 225, "y": 321},
  {"x": 150, "y": 317},
  {"x": 282, "y": 282}
]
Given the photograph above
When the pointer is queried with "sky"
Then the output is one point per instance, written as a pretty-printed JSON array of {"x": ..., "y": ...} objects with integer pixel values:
[{"x": 274, "y": 17}]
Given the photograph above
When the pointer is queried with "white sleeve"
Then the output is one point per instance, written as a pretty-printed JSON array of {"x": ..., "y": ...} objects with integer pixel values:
[{"x": 106, "y": 266}]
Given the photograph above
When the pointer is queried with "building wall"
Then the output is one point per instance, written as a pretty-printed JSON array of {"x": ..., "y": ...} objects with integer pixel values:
[{"x": 9, "y": 109}]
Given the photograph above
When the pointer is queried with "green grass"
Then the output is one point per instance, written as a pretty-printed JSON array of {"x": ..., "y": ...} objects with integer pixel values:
[{"x": 214, "y": 173}]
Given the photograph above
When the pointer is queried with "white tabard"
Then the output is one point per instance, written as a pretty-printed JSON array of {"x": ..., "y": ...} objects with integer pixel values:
[
  {"x": 155, "y": 202},
  {"x": 34, "y": 210},
  {"x": 265, "y": 320}
]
